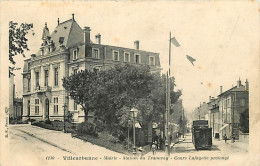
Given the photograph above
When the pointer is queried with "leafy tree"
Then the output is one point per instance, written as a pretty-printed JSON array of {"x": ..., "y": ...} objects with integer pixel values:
[
  {"x": 122, "y": 88},
  {"x": 112, "y": 93},
  {"x": 17, "y": 42},
  {"x": 244, "y": 121},
  {"x": 82, "y": 88}
]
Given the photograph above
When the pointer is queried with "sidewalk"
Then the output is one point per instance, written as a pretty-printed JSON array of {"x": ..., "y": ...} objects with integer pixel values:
[
  {"x": 236, "y": 145},
  {"x": 64, "y": 141}
]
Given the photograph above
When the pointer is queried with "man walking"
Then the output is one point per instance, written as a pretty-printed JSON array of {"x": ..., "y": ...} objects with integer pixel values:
[{"x": 225, "y": 138}]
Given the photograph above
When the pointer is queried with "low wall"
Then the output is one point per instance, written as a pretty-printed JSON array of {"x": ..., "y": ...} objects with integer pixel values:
[{"x": 244, "y": 137}]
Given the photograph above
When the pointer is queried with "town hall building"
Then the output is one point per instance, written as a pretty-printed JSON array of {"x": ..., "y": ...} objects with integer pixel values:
[{"x": 65, "y": 51}]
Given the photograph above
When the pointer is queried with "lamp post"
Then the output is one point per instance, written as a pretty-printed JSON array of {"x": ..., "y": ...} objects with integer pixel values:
[
  {"x": 128, "y": 126},
  {"x": 135, "y": 112},
  {"x": 64, "y": 109}
]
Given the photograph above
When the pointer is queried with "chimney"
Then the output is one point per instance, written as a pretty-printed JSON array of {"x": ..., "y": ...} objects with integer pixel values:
[
  {"x": 58, "y": 21},
  {"x": 246, "y": 85},
  {"x": 87, "y": 35},
  {"x": 98, "y": 38},
  {"x": 136, "y": 43},
  {"x": 73, "y": 17},
  {"x": 209, "y": 98},
  {"x": 221, "y": 88},
  {"x": 238, "y": 83}
]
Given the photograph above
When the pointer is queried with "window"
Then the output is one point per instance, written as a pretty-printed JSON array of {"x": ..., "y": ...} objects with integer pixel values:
[
  {"x": 225, "y": 103},
  {"x": 29, "y": 84},
  {"x": 242, "y": 102},
  {"x": 46, "y": 75},
  {"x": 37, "y": 106},
  {"x": 61, "y": 40},
  {"x": 56, "y": 105},
  {"x": 151, "y": 60},
  {"x": 56, "y": 76},
  {"x": 75, "y": 106},
  {"x": 29, "y": 66},
  {"x": 127, "y": 57},
  {"x": 28, "y": 107},
  {"x": 96, "y": 54},
  {"x": 228, "y": 103},
  {"x": 116, "y": 56},
  {"x": 137, "y": 58},
  {"x": 75, "y": 71},
  {"x": 75, "y": 54},
  {"x": 37, "y": 79}
]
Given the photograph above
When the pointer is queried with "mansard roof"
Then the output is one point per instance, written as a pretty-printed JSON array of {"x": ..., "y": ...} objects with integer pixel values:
[{"x": 67, "y": 33}]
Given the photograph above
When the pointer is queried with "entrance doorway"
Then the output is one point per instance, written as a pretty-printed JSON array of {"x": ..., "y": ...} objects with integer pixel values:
[{"x": 47, "y": 108}]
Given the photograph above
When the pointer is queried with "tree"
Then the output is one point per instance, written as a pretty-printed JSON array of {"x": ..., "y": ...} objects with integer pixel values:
[
  {"x": 82, "y": 88},
  {"x": 17, "y": 42},
  {"x": 244, "y": 121},
  {"x": 111, "y": 94}
]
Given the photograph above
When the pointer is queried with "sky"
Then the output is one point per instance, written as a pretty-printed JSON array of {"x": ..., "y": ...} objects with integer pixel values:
[{"x": 223, "y": 37}]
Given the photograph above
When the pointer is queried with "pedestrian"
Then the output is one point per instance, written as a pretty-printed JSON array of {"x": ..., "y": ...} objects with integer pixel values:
[
  {"x": 225, "y": 138},
  {"x": 154, "y": 148},
  {"x": 141, "y": 151}
]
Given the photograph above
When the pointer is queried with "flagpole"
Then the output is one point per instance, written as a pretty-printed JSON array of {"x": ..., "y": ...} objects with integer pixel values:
[
  {"x": 170, "y": 55},
  {"x": 168, "y": 102}
]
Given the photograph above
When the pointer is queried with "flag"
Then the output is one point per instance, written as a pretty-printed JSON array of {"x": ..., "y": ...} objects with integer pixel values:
[
  {"x": 175, "y": 42},
  {"x": 190, "y": 59}
]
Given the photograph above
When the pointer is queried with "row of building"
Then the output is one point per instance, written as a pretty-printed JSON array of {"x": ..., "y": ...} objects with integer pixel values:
[
  {"x": 65, "y": 51},
  {"x": 224, "y": 113}
]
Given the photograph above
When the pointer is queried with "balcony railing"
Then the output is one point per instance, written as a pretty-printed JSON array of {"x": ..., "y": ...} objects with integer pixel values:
[{"x": 43, "y": 89}]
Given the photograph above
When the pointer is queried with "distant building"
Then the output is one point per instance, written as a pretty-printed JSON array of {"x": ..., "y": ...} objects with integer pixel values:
[
  {"x": 15, "y": 104},
  {"x": 67, "y": 50},
  {"x": 226, "y": 110},
  {"x": 215, "y": 119},
  {"x": 232, "y": 103},
  {"x": 201, "y": 112}
]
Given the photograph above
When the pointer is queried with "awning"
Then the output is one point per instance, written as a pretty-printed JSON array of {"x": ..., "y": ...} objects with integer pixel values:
[{"x": 223, "y": 127}]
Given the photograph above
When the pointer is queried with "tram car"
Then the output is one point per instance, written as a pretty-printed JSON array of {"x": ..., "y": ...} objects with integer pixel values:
[{"x": 201, "y": 134}]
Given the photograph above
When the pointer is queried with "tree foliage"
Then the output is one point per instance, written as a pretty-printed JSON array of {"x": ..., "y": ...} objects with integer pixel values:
[
  {"x": 17, "y": 41},
  {"x": 244, "y": 121},
  {"x": 111, "y": 94}
]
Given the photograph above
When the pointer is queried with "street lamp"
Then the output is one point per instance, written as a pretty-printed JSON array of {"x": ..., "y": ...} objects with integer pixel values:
[
  {"x": 135, "y": 112},
  {"x": 128, "y": 126},
  {"x": 64, "y": 109}
]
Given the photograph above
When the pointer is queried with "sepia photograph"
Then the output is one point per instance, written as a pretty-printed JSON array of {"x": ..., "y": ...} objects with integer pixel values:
[{"x": 130, "y": 82}]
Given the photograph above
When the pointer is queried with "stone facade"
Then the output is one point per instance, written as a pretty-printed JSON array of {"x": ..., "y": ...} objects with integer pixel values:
[{"x": 67, "y": 50}]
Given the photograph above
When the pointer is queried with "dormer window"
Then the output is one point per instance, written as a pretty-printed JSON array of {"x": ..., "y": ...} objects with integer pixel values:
[
  {"x": 61, "y": 40},
  {"x": 75, "y": 54}
]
